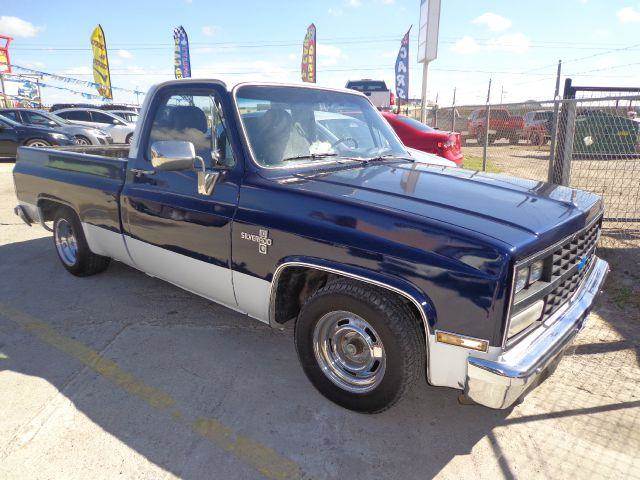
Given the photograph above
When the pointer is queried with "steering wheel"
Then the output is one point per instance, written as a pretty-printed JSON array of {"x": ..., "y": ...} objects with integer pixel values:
[{"x": 343, "y": 140}]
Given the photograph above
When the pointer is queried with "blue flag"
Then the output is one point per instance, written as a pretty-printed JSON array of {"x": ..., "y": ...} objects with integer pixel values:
[
  {"x": 402, "y": 69},
  {"x": 181, "y": 58}
]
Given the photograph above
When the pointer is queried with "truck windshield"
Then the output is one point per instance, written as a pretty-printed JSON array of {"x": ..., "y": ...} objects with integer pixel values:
[{"x": 291, "y": 125}]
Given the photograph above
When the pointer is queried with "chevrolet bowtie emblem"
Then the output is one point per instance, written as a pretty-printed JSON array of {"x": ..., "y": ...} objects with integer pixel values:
[{"x": 262, "y": 239}]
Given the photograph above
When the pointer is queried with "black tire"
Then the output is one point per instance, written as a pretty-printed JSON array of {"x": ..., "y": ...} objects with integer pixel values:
[
  {"x": 480, "y": 137},
  {"x": 513, "y": 140},
  {"x": 129, "y": 139},
  {"x": 392, "y": 320},
  {"x": 86, "y": 262}
]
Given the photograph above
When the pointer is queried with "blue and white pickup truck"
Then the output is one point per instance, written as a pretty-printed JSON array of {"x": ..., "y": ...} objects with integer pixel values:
[{"x": 299, "y": 203}]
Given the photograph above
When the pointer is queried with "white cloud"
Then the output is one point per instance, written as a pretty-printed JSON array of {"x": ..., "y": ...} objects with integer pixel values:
[
  {"x": 354, "y": 3},
  {"x": 329, "y": 55},
  {"x": 628, "y": 15},
  {"x": 511, "y": 42},
  {"x": 335, "y": 12},
  {"x": 124, "y": 54},
  {"x": 493, "y": 21},
  {"x": 16, "y": 27},
  {"x": 388, "y": 2},
  {"x": 209, "y": 30},
  {"x": 466, "y": 45}
]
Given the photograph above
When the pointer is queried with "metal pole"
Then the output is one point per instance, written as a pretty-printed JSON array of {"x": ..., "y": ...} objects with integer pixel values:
[
  {"x": 554, "y": 123},
  {"x": 453, "y": 111},
  {"x": 423, "y": 110},
  {"x": 487, "y": 114},
  {"x": 501, "y": 92},
  {"x": 435, "y": 113},
  {"x": 562, "y": 128},
  {"x": 39, "y": 92},
  {"x": 4, "y": 97}
]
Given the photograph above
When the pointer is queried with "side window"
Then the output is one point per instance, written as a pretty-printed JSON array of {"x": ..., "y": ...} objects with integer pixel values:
[
  {"x": 36, "y": 119},
  {"x": 103, "y": 118},
  {"x": 197, "y": 119},
  {"x": 76, "y": 115},
  {"x": 12, "y": 115}
]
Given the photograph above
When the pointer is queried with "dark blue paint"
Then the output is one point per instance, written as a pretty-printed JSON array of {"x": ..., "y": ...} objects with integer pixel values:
[{"x": 447, "y": 237}]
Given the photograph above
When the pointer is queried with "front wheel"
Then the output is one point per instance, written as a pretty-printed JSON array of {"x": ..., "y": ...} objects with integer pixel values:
[
  {"x": 129, "y": 139},
  {"x": 71, "y": 245},
  {"x": 361, "y": 347},
  {"x": 37, "y": 142}
]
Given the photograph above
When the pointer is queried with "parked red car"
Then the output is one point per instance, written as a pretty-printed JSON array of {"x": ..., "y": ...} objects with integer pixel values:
[{"x": 422, "y": 137}]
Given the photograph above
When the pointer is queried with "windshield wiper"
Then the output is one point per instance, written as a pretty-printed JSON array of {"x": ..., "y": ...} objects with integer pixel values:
[
  {"x": 388, "y": 156},
  {"x": 312, "y": 156}
]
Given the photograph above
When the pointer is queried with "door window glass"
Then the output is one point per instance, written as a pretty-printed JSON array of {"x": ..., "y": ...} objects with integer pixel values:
[
  {"x": 78, "y": 115},
  {"x": 197, "y": 119},
  {"x": 103, "y": 118}
]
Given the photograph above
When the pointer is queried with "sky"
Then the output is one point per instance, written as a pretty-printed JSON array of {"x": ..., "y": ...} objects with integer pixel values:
[{"x": 517, "y": 43}]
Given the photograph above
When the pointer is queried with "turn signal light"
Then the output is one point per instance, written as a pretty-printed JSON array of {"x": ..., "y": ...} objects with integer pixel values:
[{"x": 462, "y": 341}]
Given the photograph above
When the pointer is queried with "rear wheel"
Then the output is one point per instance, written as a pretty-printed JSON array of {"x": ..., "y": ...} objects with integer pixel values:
[
  {"x": 361, "y": 347},
  {"x": 37, "y": 142},
  {"x": 71, "y": 245}
]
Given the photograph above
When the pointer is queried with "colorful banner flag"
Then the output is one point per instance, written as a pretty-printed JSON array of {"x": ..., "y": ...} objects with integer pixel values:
[
  {"x": 181, "y": 57},
  {"x": 101, "y": 63},
  {"x": 5, "y": 62},
  {"x": 74, "y": 81},
  {"x": 29, "y": 91},
  {"x": 402, "y": 69},
  {"x": 309, "y": 56}
]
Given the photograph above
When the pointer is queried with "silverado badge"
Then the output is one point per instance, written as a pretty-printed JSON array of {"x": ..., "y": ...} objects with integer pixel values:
[{"x": 263, "y": 240}]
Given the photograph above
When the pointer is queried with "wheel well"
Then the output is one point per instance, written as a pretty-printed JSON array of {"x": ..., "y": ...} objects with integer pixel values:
[
  {"x": 48, "y": 209},
  {"x": 297, "y": 283}
]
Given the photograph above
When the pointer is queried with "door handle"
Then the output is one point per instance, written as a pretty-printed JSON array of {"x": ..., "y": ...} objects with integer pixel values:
[{"x": 139, "y": 171}]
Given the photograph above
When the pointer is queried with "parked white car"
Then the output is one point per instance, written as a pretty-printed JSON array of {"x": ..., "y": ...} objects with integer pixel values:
[
  {"x": 117, "y": 127},
  {"x": 128, "y": 115}
]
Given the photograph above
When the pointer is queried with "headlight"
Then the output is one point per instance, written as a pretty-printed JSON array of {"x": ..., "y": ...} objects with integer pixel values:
[
  {"x": 522, "y": 276},
  {"x": 536, "y": 271},
  {"x": 526, "y": 276},
  {"x": 60, "y": 136}
]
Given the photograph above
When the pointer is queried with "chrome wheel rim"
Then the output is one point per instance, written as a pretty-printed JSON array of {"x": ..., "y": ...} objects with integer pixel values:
[
  {"x": 66, "y": 242},
  {"x": 82, "y": 141},
  {"x": 349, "y": 351},
  {"x": 38, "y": 143}
]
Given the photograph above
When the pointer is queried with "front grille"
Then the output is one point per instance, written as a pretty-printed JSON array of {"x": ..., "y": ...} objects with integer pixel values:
[
  {"x": 563, "y": 291},
  {"x": 565, "y": 267},
  {"x": 571, "y": 253}
]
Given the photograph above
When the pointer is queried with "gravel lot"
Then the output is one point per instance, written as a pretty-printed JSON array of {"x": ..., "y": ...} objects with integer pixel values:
[{"x": 122, "y": 375}]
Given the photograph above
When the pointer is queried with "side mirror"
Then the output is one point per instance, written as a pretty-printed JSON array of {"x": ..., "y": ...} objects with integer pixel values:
[{"x": 172, "y": 155}]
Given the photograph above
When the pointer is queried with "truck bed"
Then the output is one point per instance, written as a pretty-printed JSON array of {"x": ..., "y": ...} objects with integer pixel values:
[{"x": 87, "y": 179}]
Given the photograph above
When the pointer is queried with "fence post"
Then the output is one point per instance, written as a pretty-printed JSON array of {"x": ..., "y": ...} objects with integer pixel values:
[
  {"x": 563, "y": 128},
  {"x": 567, "y": 150},
  {"x": 486, "y": 129},
  {"x": 554, "y": 124},
  {"x": 453, "y": 111}
]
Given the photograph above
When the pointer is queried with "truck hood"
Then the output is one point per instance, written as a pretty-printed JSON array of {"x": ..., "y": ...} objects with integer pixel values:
[{"x": 525, "y": 214}]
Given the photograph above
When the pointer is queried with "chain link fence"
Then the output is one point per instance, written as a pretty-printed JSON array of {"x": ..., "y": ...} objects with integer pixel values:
[{"x": 588, "y": 140}]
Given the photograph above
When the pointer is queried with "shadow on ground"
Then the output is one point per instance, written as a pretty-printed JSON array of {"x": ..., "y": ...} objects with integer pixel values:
[{"x": 217, "y": 364}]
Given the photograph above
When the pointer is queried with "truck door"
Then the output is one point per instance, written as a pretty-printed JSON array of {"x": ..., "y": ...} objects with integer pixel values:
[{"x": 172, "y": 231}]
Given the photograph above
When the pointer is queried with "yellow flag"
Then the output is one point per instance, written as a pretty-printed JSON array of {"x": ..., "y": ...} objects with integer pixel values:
[{"x": 101, "y": 63}]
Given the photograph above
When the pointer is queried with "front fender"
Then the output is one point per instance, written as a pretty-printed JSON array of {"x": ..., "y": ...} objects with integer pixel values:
[{"x": 419, "y": 299}]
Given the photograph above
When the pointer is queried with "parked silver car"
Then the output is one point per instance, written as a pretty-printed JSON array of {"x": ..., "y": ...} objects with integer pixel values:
[
  {"x": 117, "y": 127},
  {"x": 82, "y": 135}
]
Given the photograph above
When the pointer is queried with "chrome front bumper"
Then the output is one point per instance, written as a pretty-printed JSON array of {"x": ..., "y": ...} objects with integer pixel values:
[{"x": 500, "y": 383}]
